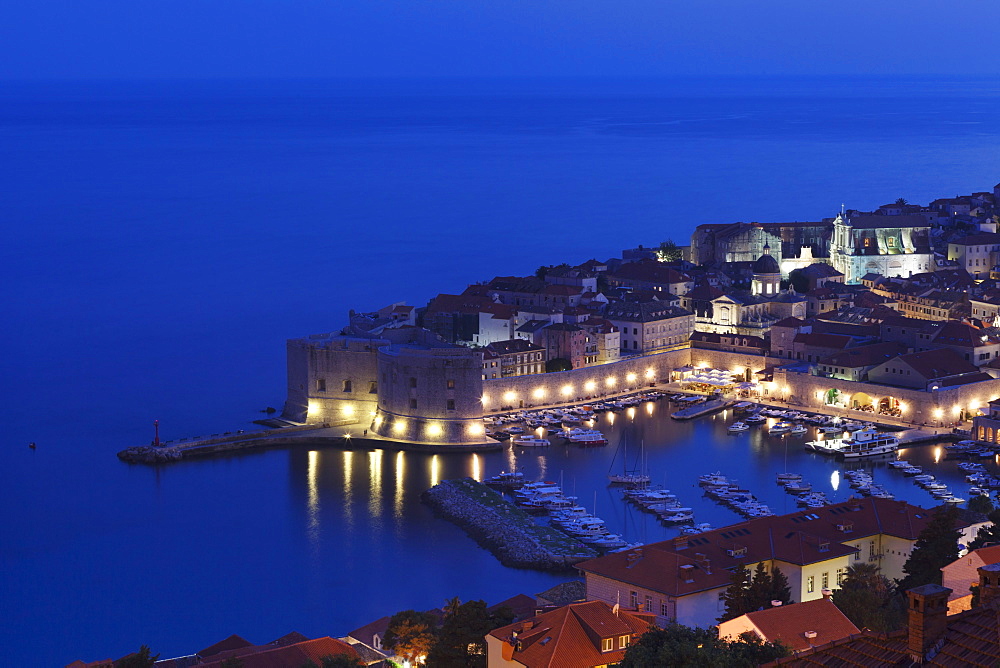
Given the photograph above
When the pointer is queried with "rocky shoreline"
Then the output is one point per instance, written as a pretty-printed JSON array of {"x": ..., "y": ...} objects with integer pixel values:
[{"x": 504, "y": 529}]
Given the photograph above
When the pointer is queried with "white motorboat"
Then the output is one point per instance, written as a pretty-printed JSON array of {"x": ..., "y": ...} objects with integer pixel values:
[
  {"x": 899, "y": 464},
  {"x": 780, "y": 428},
  {"x": 756, "y": 418},
  {"x": 530, "y": 442},
  {"x": 798, "y": 430},
  {"x": 737, "y": 427}
]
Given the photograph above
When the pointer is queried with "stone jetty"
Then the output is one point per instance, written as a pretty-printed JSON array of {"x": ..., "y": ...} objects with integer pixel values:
[
  {"x": 698, "y": 410},
  {"x": 504, "y": 529},
  {"x": 225, "y": 443}
]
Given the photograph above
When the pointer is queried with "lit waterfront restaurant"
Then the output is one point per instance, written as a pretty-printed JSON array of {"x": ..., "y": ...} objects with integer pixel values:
[{"x": 432, "y": 393}]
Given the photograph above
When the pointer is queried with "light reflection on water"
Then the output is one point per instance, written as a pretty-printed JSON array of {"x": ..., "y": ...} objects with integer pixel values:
[
  {"x": 313, "y": 504},
  {"x": 673, "y": 452},
  {"x": 375, "y": 485},
  {"x": 397, "y": 501},
  {"x": 348, "y": 500}
]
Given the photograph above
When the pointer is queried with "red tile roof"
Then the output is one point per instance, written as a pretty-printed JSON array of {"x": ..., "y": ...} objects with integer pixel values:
[
  {"x": 570, "y": 636},
  {"x": 789, "y": 624}
]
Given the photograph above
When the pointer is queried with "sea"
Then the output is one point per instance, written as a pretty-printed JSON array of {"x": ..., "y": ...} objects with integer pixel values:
[{"x": 161, "y": 241}]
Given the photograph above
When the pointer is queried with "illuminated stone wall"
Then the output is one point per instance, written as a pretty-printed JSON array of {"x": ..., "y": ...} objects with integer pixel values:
[
  {"x": 577, "y": 385},
  {"x": 430, "y": 395},
  {"x": 330, "y": 378},
  {"x": 937, "y": 408}
]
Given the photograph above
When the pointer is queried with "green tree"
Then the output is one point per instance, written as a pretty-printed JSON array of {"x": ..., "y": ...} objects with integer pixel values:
[
  {"x": 936, "y": 546},
  {"x": 988, "y": 534},
  {"x": 678, "y": 645},
  {"x": 780, "y": 589},
  {"x": 736, "y": 595},
  {"x": 461, "y": 641},
  {"x": 558, "y": 364},
  {"x": 869, "y": 599},
  {"x": 759, "y": 592},
  {"x": 144, "y": 658},
  {"x": 798, "y": 280},
  {"x": 902, "y": 201},
  {"x": 669, "y": 252},
  {"x": 411, "y": 634},
  {"x": 980, "y": 504}
]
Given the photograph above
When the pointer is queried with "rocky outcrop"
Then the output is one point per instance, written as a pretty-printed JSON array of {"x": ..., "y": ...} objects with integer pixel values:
[{"x": 504, "y": 529}]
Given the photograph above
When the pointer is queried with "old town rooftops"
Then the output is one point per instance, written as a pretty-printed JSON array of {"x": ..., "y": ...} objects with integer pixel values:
[
  {"x": 649, "y": 311},
  {"x": 571, "y": 636},
  {"x": 938, "y": 363},
  {"x": 690, "y": 564},
  {"x": 863, "y": 356}
]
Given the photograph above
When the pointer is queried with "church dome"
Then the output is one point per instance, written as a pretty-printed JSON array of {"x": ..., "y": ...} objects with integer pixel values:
[{"x": 766, "y": 264}]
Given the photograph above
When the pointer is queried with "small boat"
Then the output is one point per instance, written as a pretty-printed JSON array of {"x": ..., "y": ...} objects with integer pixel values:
[
  {"x": 737, "y": 427},
  {"x": 785, "y": 478},
  {"x": 756, "y": 418},
  {"x": 899, "y": 464},
  {"x": 780, "y": 428},
  {"x": 798, "y": 488},
  {"x": 831, "y": 429},
  {"x": 798, "y": 430},
  {"x": 505, "y": 479},
  {"x": 912, "y": 470},
  {"x": 530, "y": 442},
  {"x": 515, "y": 430}
]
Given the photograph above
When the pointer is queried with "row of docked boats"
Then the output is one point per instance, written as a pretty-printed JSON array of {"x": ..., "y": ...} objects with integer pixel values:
[
  {"x": 665, "y": 505},
  {"x": 971, "y": 450},
  {"x": 793, "y": 484},
  {"x": 729, "y": 493},
  {"x": 938, "y": 489},
  {"x": 865, "y": 484},
  {"x": 566, "y": 514}
]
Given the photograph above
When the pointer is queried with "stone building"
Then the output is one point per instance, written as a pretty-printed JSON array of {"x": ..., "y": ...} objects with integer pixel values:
[
  {"x": 650, "y": 326},
  {"x": 886, "y": 245},
  {"x": 977, "y": 253}
]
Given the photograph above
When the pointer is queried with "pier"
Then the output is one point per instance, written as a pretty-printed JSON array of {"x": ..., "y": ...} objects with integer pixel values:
[{"x": 510, "y": 533}]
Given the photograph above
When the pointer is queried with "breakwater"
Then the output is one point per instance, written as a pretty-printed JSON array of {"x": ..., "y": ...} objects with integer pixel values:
[
  {"x": 504, "y": 529},
  {"x": 176, "y": 451}
]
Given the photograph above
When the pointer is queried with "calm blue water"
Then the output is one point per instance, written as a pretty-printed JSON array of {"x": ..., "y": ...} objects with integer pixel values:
[{"x": 160, "y": 242}]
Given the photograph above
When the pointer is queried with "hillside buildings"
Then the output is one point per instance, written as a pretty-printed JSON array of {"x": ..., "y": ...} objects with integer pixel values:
[{"x": 892, "y": 311}]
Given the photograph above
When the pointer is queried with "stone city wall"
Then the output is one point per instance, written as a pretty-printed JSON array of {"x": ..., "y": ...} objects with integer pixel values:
[
  {"x": 578, "y": 385},
  {"x": 935, "y": 408},
  {"x": 331, "y": 379}
]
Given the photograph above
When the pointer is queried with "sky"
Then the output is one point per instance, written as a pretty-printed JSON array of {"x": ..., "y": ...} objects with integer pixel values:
[{"x": 130, "y": 39}]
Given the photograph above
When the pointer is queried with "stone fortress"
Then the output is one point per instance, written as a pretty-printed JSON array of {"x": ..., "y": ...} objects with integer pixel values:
[{"x": 429, "y": 375}]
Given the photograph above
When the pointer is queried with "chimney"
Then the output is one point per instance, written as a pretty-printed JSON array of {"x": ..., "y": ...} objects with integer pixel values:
[
  {"x": 827, "y": 593},
  {"x": 989, "y": 583},
  {"x": 776, "y": 603},
  {"x": 928, "y": 621},
  {"x": 681, "y": 543}
]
